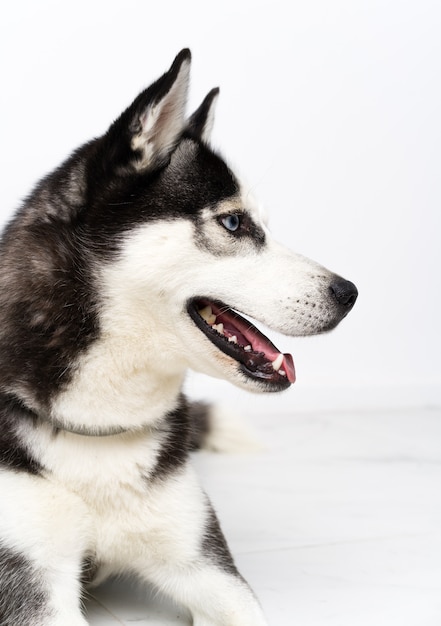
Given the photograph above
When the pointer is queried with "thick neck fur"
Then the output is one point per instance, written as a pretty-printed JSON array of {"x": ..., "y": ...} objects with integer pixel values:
[
  {"x": 131, "y": 376},
  {"x": 85, "y": 362},
  {"x": 119, "y": 383}
]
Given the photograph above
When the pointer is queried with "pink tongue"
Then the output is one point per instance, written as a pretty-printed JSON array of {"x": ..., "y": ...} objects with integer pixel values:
[
  {"x": 230, "y": 331},
  {"x": 260, "y": 343},
  {"x": 272, "y": 353},
  {"x": 288, "y": 366}
]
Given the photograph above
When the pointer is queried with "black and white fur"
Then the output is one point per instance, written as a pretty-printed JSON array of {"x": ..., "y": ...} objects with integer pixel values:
[{"x": 104, "y": 272}]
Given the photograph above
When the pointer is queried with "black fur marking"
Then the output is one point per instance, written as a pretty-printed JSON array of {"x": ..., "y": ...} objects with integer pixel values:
[
  {"x": 89, "y": 569},
  {"x": 77, "y": 217},
  {"x": 214, "y": 545},
  {"x": 12, "y": 452},
  {"x": 247, "y": 228},
  {"x": 247, "y": 232},
  {"x": 175, "y": 449},
  {"x": 194, "y": 179},
  {"x": 22, "y": 596},
  {"x": 47, "y": 311},
  {"x": 199, "y": 414},
  {"x": 114, "y": 156}
]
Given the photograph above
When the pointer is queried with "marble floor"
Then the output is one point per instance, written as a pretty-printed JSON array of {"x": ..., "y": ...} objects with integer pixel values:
[{"x": 336, "y": 522}]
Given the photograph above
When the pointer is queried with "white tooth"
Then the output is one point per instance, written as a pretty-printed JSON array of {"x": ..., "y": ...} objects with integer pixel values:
[
  {"x": 207, "y": 314},
  {"x": 282, "y": 372},
  {"x": 248, "y": 348},
  {"x": 219, "y": 328},
  {"x": 277, "y": 363},
  {"x": 233, "y": 339}
]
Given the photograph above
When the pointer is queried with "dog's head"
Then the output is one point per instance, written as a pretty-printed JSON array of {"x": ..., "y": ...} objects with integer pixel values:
[
  {"x": 194, "y": 253},
  {"x": 138, "y": 258}
]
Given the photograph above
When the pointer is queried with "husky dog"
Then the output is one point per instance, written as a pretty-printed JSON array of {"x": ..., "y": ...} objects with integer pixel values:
[{"x": 127, "y": 265}]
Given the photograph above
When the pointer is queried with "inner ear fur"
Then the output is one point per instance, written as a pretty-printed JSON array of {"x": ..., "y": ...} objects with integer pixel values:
[{"x": 147, "y": 131}]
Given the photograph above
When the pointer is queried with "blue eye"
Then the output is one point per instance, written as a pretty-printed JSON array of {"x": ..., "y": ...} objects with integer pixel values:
[{"x": 231, "y": 222}]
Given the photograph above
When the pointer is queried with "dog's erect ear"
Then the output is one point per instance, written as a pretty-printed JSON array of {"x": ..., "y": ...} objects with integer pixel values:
[
  {"x": 200, "y": 123},
  {"x": 146, "y": 133},
  {"x": 159, "y": 114}
]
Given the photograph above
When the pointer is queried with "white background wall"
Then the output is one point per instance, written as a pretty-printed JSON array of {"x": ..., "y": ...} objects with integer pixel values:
[{"x": 331, "y": 110}]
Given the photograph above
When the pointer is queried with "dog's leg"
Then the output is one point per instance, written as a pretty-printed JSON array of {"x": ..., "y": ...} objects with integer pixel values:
[
  {"x": 182, "y": 551},
  {"x": 44, "y": 534}
]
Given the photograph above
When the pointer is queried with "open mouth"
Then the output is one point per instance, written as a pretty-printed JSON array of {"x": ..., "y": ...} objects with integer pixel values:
[{"x": 239, "y": 339}]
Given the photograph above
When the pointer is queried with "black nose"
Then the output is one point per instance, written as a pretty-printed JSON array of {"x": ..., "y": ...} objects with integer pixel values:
[{"x": 344, "y": 292}]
